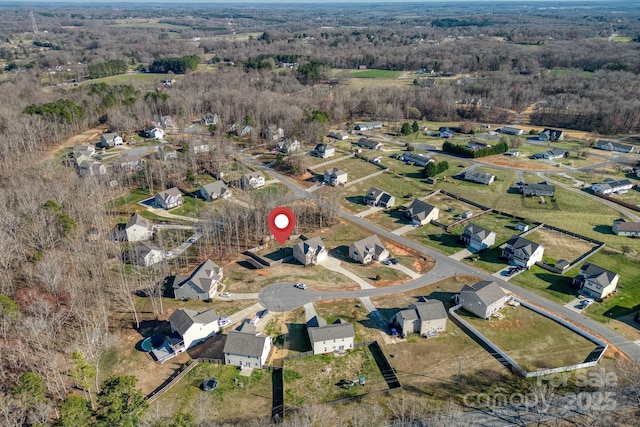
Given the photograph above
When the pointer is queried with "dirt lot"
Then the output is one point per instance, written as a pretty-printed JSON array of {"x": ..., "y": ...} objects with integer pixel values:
[{"x": 559, "y": 246}]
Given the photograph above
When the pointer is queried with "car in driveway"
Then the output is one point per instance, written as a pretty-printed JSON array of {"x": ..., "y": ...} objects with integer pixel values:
[
  {"x": 191, "y": 240},
  {"x": 300, "y": 286},
  {"x": 224, "y": 321},
  {"x": 225, "y": 294},
  {"x": 209, "y": 384},
  {"x": 585, "y": 303},
  {"x": 393, "y": 261},
  {"x": 386, "y": 262}
]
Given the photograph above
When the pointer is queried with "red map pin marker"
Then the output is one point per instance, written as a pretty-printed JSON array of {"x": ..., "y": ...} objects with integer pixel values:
[{"x": 281, "y": 223}]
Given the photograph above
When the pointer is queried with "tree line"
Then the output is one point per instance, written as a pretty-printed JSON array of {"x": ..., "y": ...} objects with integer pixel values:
[
  {"x": 175, "y": 65},
  {"x": 464, "y": 151},
  {"x": 105, "y": 69}
]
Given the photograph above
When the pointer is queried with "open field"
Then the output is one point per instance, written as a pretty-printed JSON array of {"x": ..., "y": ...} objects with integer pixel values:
[
  {"x": 375, "y": 74},
  {"x": 131, "y": 78},
  {"x": 228, "y": 402},
  {"x": 316, "y": 379},
  {"x": 559, "y": 246},
  {"x": 532, "y": 340},
  {"x": 437, "y": 238}
]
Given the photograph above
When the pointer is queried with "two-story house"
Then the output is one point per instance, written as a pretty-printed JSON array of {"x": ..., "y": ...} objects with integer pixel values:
[
  {"x": 324, "y": 151},
  {"x": 138, "y": 228},
  {"x": 477, "y": 238},
  {"x": 335, "y": 177},
  {"x": 252, "y": 180},
  {"x": 427, "y": 318},
  {"x": 215, "y": 190},
  {"x": 169, "y": 199},
  {"x": 368, "y": 250},
  {"x": 311, "y": 251},
  {"x": 483, "y": 298},
  {"x": 194, "y": 326},
  {"x": 378, "y": 197},
  {"x": 336, "y": 337},
  {"x": 201, "y": 284},
  {"x": 246, "y": 349},
  {"x": 522, "y": 252},
  {"x": 596, "y": 282},
  {"x": 421, "y": 213}
]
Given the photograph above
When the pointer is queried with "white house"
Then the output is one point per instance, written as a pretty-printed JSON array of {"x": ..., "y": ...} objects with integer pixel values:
[
  {"x": 91, "y": 168},
  {"x": 311, "y": 251},
  {"x": 194, "y": 327},
  {"x": 421, "y": 213},
  {"x": 335, "y": 176},
  {"x": 138, "y": 228},
  {"x": 418, "y": 159},
  {"x": 370, "y": 144},
  {"x": 378, "y": 197},
  {"x": 483, "y": 298},
  {"x": 615, "y": 146},
  {"x": 198, "y": 147},
  {"x": 336, "y": 337},
  {"x": 612, "y": 186},
  {"x": 480, "y": 177},
  {"x": 511, "y": 130},
  {"x": 110, "y": 140},
  {"x": 169, "y": 199},
  {"x": 427, "y": 318},
  {"x": 252, "y": 180},
  {"x": 522, "y": 252},
  {"x": 368, "y": 250},
  {"x": 201, "y": 284},
  {"x": 146, "y": 255},
  {"x": 288, "y": 145},
  {"x": 246, "y": 349},
  {"x": 368, "y": 126},
  {"x": 155, "y": 133},
  {"x": 477, "y": 238},
  {"x": 324, "y": 151},
  {"x": 215, "y": 190},
  {"x": 595, "y": 281}
]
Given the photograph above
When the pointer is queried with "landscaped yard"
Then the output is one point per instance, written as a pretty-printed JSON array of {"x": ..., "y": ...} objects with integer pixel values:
[
  {"x": 535, "y": 342},
  {"x": 503, "y": 226}
]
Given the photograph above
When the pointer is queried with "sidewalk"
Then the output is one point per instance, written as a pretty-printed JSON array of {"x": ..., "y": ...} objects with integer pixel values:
[{"x": 333, "y": 264}]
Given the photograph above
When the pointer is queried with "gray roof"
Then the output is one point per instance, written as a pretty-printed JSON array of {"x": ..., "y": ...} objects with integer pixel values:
[
  {"x": 202, "y": 277},
  {"x": 368, "y": 143},
  {"x": 527, "y": 188},
  {"x": 613, "y": 184},
  {"x": 142, "y": 249},
  {"x": 244, "y": 343},
  {"x": 527, "y": 246},
  {"x": 182, "y": 319},
  {"x": 216, "y": 187},
  {"x": 478, "y": 176},
  {"x": 335, "y": 171},
  {"x": 374, "y": 193},
  {"x": 473, "y": 229},
  {"x": 138, "y": 220},
  {"x": 557, "y": 152},
  {"x": 627, "y": 225},
  {"x": 255, "y": 175},
  {"x": 110, "y": 135},
  {"x": 420, "y": 209},
  {"x": 487, "y": 291},
  {"x": 313, "y": 243},
  {"x": 619, "y": 145},
  {"x": 173, "y": 191},
  {"x": 417, "y": 157},
  {"x": 368, "y": 243},
  {"x": 597, "y": 274},
  {"x": 337, "y": 330},
  {"x": 432, "y": 309}
]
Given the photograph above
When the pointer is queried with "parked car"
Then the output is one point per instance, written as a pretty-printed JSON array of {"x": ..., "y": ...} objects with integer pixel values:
[
  {"x": 393, "y": 330},
  {"x": 191, "y": 240},
  {"x": 225, "y": 294},
  {"x": 255, "y": 320},
  {"x": 263, "y": 313},
  {"x": 393, "y": 261},
  {"x": 168, "y": 253},
  {"x": 300, "y": 286},
  {"x": 585, "y": 303},
  {"x": 224, "y": 321},
  {"x": 209, "y": 384},
  {"x": 386, "y": 262}
]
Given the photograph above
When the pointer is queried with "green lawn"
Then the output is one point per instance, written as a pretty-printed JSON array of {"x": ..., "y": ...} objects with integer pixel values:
[
  {"x": 554, "y": 286},
  {"x": 128, "y": 201},
  {"x": 190, "y": 207},
  {"x": 563, "y": 72},
  {"x": 503, "y": 226},
  {"x": 431, "y": 235},
  {"x": 355, "y": 168},
  {"x": 489, "y": 260},
  {"x": 375, "y": 74}
]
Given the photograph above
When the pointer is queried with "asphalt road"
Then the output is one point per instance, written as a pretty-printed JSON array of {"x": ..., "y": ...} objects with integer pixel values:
[{"x": 280, "y": 297}]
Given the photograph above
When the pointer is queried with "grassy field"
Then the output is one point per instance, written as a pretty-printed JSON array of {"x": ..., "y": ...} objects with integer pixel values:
[
  {"x": 228, "y": 402},
  {"x": 554, "y": 286},
  {"x": 131, "y": 78},
  {"x": 532, "y": 340},
  {"x": 436, "y": 237},
  {"x": 355, "y": 168},
  {"x": 559, "y": 246},
  {"x": 317, "y": 379},
  {"x": 190, "y": 207},
  {"x": 374, "y": 74},
  {"x": 562, "y": 72}
]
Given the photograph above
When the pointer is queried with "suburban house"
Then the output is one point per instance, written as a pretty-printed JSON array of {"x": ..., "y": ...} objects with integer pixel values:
[
  {"x": 169, "y": 199},
  {"x": 288, "y": 145},
  {"x": 335, "y": 176},
  {"x": 272, "y": 133},
  {"x": 215, "y": 190},
  {"x": 166, "y": 152},
  {"x": 370, "y": 144},
  {"x": 138, "y": 228},
  {"x": 368, "y": 126},
  {"x": 551, "y": 135},
  {"x": 378, "y": 197},
  {"x": 246, "y": 349},
  {"x": 417, "y": 159},
  {"x": 128, "y": 162},
  {"x": 85, "y": 151},
  {"x": 624, "y": 228},
  {"x": 511, "y": 130},
  {"x": 368, "y": 250},
  {"x": 209, "y": 119},
  {"x": 194, "y": 326},
  {"x": 614, "y": 146},
  {"x": 522, "y": 252},
  {"x": 252, "y": 180},
  {"x": 477, "y": 145},
  {"x": 155, "y": 133},
  {"x": 197, "y": 147},
  {"x": 311, "y": 251},
  {"x": 446, "y": 133},
  {"x": 145, "y": 255},
  {"x": 421, "y": 213},
  {"x": 595, "y": 282},
  {"x": 165, "y": 122},
  {"x": 92, "y": 168},
  {"x": 612, "y": 186},
  {"x": 477, "y": 238},
  {"x": 339, "y": 136},
  {"x": 332, "y": 338},
  {"x": 521, "y": 226},
  {"x": 324, "y": 151},
  {"x": 480, "y": 177},
  {"x": 426, "y": 318},
  {"x": 542, "y": 189},
  {"x": 483, "y": 298},
  {"x": 110, "y": 140},
  {"x": 201, "y": 284}
]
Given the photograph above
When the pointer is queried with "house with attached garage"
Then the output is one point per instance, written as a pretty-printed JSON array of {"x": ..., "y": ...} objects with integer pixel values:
[
  {"x": 155, "y": 133},
  {"x": 552, "y": 135},
  {"x": 615, "y": 146},
  {"x": 595, "y": 282},
  {"x": 311, "y": 251},
  {"x": 165, "y": 122},
  {"x": 201, "y": 284},
  {"x": 483, "y": 298},
  {"x": 418, "y": 159},
  {"x": 427, "y": 318},
  {"x": 421, "y": 213},
  {"x": 542, "y": 189},
  {"x": 288, "y": 145},
  {"x": 480, "y": 177},
  {"x": 215, "y": 190},
  {"x": 370, "y": 144},
  {"x": 556, "y": 153},
  {"x": 477, "y": 238},
  {"x": 368, "y": 126},
  {"x": 127, "y": 163},
  {"x": 91, "y": 167},
  {"x": 166, "y": 152},
  {"x": 145, "y": 255},
  {"x": 336, "y": 337},
  {"x": 339, "y": 136},
  {"x": 477, "y": 145},
  {"x": 612, "y": 186},
  {"x": 169, "y": 199},
  {"x": 138, "y": 228},
  {"x": 335, "y": 177},
  {"x": 324, "y": 151},
  {"x": 378, "y": 197},
  {"x": 246, "y": 349},
  {"x": 194, "y": 326},
  {"x": 624, "y": 228},
  {"x": 368, "y": 250},
  {"x": 110, "y": 140},
  {"x": 252, "y": 180},
  {"x": 86, "y": 151},
  {"x": 209, "y": 120},
  {"x": 522, "y": 252}
]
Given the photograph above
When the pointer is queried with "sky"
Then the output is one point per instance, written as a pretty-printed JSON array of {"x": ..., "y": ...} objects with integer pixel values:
[{"x": 230, "y": 2}]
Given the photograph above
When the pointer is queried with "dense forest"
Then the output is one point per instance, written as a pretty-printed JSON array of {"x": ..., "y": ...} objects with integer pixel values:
[{"x": 60, "y": 286}]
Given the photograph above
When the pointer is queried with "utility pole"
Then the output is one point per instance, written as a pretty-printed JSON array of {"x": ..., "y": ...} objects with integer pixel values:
[{"x": 33, "y": 23}]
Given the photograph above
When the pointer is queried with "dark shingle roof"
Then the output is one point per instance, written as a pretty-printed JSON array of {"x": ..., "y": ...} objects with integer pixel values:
[
  {"x": 419, "y": 209},
  {"x": 473, "y": 229},
  {"x": 244, "y": 343},
  {"x": 183, "y": 319},
  {"x": 527, "y": 246},
  {"x": 337, "y": 330},
  {"x": 597, "y": 274},
  {"x": 432, "y": 309}
]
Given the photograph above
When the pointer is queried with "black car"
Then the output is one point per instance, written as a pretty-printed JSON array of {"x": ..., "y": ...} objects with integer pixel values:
[
  {"x": 394, "y": 261},
  {"x": 210, "y": 384}
]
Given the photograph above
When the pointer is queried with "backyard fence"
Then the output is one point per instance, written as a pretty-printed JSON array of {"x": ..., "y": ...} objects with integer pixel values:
[{"x": 350, "y": 183}]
